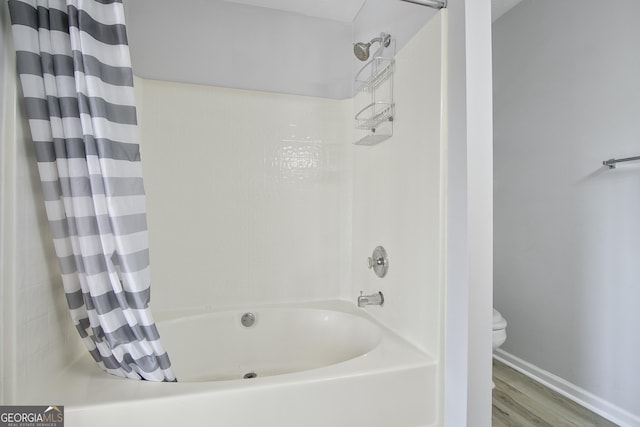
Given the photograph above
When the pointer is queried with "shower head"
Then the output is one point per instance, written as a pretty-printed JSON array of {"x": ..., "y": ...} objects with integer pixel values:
[{"x": 361, "y": 50}]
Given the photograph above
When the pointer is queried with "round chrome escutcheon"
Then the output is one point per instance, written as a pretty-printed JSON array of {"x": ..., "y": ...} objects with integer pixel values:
[{"x": 248, "y": 319}]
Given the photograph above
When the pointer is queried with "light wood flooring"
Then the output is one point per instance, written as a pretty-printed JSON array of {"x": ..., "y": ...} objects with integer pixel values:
[{"x": 520, "y": 401}]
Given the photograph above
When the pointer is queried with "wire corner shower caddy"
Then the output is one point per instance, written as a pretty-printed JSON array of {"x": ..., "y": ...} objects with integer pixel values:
[
  {"x": 374, "y": 96},
  {"x": 374, "y": 82}
]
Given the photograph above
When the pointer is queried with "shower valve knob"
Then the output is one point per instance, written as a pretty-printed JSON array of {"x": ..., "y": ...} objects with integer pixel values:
[{"x": 377, "y": 261}]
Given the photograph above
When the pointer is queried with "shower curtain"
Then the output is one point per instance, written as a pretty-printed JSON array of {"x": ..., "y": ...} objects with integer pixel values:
[{"x": 74, "y": 66}]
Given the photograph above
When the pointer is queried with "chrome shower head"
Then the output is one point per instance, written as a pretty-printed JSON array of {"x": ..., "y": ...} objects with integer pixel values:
[{"x": 361, "y": 50}]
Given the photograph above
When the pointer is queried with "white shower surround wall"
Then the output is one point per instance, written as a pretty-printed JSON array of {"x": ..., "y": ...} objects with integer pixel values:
[
  {"x": 398, "y": 196},
  {"x": 248, "y": 195}
]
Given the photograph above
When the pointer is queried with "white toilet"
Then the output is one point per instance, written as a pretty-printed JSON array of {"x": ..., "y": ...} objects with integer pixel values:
[
  {"x": 499, "y": 332},
  {"x": 499, "y": 329}
]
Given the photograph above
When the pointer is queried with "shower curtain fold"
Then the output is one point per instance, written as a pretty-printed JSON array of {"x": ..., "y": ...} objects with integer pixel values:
[{"x": 75, "y": 69}]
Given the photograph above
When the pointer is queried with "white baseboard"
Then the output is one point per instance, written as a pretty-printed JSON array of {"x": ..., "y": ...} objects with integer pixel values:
[{"x": 590, "y": 401}]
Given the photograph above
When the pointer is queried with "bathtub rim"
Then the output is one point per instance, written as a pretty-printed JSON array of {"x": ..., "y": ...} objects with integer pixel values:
[{"x": 326, "y": 305}]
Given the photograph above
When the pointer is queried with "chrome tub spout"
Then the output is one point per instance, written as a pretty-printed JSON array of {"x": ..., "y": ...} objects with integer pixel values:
[{"x": 373, "y": 299}]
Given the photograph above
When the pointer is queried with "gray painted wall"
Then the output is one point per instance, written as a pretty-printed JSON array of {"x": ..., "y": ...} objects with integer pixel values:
[{"x": 567, "y": 230}]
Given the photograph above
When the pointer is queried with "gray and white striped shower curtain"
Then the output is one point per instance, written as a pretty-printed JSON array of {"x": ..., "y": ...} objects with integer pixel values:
[{"x": 74, "y": 66}]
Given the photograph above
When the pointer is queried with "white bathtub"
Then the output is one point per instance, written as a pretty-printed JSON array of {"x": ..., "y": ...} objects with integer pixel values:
[
  {"x": 281, "y": 340},
  {"x": 324, "y": 364}
]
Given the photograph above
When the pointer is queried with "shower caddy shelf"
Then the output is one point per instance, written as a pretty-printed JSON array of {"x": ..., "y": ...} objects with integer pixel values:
[
  {"x": 377, "y": 71},
  {"x": 373, "y": 115},
  {"x": 375, "y": 79}
]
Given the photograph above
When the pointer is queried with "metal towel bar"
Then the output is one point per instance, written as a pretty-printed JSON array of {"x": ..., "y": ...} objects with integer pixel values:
[{"x": 612, "y": 162}]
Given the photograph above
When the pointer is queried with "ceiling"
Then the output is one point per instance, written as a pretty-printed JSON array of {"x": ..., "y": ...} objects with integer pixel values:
[{"x": 337, "y": 10}]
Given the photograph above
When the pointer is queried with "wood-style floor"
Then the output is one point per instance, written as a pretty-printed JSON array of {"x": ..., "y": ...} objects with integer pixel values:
[{"x": 520, "y": 401}]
